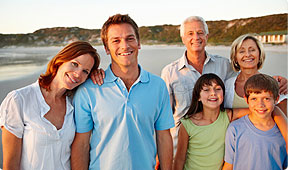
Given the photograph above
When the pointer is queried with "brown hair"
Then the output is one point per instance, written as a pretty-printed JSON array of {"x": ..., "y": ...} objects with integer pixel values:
[
  {"x": 196, "y": 105},
  {"x": 261, "y": 82},
  {"x": 118, "y": 19},
  {"x": 69, "y": 52}
]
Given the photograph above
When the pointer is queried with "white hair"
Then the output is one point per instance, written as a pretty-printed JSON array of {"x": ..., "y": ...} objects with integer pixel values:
[{"x": 191, "y": 19}]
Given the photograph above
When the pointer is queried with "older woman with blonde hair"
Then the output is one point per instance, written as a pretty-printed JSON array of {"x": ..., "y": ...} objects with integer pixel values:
[
  {"x": 37, "y": 120},
  {"x": 247, "y": 57}
]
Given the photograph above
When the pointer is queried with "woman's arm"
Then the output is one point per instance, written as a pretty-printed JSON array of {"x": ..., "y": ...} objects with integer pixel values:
[
  {"x": 12, "y": 149},
  {"x": 283, "y": 106},
  {"x": 180, "y": 157},
  {"x": 281, "y": 121}
]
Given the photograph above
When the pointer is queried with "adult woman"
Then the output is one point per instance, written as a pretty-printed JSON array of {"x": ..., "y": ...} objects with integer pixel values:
[
  {"x": 247, "y": 56},
  {"x": 37, "y": 121}
]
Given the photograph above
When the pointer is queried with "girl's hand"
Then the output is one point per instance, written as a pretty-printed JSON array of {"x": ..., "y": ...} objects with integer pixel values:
[{"x": 97, "y": 76}]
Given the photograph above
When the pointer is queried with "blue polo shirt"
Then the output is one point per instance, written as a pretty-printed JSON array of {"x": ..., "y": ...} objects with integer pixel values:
[{"x": 123, "y": 123}]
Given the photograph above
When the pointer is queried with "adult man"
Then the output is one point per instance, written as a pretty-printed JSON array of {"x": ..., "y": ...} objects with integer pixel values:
[
  {"x": 122, "y": 115},
  {"x": 181, "y": 75}
]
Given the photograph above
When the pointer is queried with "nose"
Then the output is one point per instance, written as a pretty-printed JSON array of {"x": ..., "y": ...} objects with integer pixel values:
[
  {"x": 124, "y": 44},
  {"x": 261, "y": 103},
  {"x": 77, "y": 73}
]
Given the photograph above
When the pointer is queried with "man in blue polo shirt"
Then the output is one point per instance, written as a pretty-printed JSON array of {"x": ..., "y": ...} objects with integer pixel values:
[{"x": 122, "y": 116}]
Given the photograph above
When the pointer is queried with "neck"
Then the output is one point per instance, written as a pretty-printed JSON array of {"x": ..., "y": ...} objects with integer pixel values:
[
  {"x": 210, "y": 114},
  {"x": 196, "y": 59},
  {"x": 245, "y": 74},
  {"x": 263, "y": 124},
  {"x": 55, "y": 92},
  {"x": 127, "y": 74}
]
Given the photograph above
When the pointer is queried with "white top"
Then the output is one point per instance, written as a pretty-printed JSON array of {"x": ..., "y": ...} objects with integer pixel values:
[
  {"x": 44, "y": 147},
  {"x": 230, "y": 90}
]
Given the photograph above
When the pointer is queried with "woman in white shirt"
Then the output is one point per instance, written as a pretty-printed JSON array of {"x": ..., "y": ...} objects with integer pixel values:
[
  {"x": 37, "y": 120},
  {"x": 247, "y": 56}
]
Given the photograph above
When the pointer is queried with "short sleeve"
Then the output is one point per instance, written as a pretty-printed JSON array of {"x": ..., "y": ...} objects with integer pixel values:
[
  {"x": 165, "y": 119},
  {"x": 11, "y": 114},
  {"x": 83, "y": 118},
  {"x": 230, "y": 145}
]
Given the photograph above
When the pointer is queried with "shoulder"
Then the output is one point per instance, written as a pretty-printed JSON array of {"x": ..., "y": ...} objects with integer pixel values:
[
  {"x": 239, "y": 123},
  {"x": 174, "y": 66}
]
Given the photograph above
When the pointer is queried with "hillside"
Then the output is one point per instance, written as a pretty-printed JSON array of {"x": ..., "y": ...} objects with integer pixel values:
[{"x": 221, "y": 32}]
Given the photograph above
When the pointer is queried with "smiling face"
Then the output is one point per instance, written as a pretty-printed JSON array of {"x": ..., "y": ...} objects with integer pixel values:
[
  {"x": 74, "y": 72},
  {"x": 211, "y": 96},
  {"x": 194, "y": 36},
  {"x": 122, "y": 45},
  {"x": 248, "y": 55},
  {"x": 261, "y": 104}
]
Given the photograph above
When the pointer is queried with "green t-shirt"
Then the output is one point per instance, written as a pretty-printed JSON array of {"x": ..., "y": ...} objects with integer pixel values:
[{"x": 206, "y": 144}]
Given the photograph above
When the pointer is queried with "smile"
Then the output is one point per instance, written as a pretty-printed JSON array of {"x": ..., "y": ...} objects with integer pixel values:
[
  {"x": 125, "y": 54},
  {"x": 72, "y": 79}
]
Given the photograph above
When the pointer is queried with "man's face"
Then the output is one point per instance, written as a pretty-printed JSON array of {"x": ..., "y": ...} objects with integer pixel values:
[
  {"x": 194, "y": 37},
  {"x": 122, "y": 45}
]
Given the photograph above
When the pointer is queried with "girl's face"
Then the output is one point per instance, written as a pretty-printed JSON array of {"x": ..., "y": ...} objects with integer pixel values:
[
  {"x": 211, "y": 96},
  {"x": 248, "y": 55}
]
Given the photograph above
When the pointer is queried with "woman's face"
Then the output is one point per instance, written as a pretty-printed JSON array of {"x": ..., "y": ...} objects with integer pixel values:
[
  {"x": 74, "y": 72},
  {"x": 248, "y": 55}
]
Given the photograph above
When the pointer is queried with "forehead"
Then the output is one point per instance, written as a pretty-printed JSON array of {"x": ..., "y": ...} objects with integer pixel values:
[
  {"x": 193, "y": 26},
  {"x": 260, "y": 93},
  {"x": 248, "y": 42},
  {"x": 120, "y": 30}
]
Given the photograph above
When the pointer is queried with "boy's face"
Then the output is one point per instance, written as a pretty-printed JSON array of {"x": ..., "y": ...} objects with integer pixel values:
[{"x": 261, "y": 104}]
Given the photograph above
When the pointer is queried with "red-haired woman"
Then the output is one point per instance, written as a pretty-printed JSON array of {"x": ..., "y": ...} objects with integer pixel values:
[{"x": 37, "y": 120}]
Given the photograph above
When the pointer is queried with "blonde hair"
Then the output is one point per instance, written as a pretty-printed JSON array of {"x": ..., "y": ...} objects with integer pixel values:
[{"x": 236, "y": 46}]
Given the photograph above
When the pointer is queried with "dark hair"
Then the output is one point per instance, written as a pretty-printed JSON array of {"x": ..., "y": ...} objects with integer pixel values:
[
  {"x": 196, "y": 105},
  {"x": 69, "y": 52},
  {"x": 261, "y": 82},
  {"x": 118, "y": 19}
]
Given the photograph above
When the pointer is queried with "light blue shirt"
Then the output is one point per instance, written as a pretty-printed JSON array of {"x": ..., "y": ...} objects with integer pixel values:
[
  {"x": 123, "y": 123},
  {"x": 249, "y": 148}
]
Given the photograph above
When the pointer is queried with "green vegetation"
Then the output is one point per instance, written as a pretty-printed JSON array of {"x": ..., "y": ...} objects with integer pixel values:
[{"x": 220, "y": 33}]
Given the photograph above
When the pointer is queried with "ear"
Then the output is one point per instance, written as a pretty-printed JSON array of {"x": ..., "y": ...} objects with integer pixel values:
[
  {"x": 276, "y": 101},
  {"x": 246, "y": 99},
  {"x": 139, "y": 45},
  {"x": 107, "y": 50}
]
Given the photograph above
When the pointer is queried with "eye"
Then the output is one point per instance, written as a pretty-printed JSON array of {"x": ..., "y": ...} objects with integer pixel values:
[
  {"x": 115, "y": 41},
  {"x": 253, "y": 98},
  {"x": 130, "y": 38},
  {"x": 267, "y": 99},
  {"x": 86, "y": 71},
  {"x": 219, "y": 88},
  {"x": 74, "y": 64}
]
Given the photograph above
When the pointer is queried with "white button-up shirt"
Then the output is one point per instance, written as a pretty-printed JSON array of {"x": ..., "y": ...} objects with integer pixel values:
[
  {"x": 43, "y": 146},
  {"x": 180, "y": 78}
]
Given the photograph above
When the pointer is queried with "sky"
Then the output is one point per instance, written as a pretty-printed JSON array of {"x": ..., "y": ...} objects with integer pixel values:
[{"x": 27, "y": 16}]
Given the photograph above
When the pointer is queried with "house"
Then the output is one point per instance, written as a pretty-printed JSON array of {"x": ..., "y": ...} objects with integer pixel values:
[{"x": 278, "y": 37}]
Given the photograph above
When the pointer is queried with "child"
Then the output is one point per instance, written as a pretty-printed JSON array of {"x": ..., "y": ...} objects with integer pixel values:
[
  {"x": 202, "y": 130},
  {"x": 254, "y": 141}
]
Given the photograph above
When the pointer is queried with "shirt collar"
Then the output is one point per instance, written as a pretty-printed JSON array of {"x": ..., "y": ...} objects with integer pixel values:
[
  {"x": 184, "y": 63},
  {"x": 110, "y": 76}
]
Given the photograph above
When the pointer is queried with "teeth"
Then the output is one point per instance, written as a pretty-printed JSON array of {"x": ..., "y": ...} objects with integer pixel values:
[
  {"x": 74, "y": 81},
  {"x": 125, "y": 53}
]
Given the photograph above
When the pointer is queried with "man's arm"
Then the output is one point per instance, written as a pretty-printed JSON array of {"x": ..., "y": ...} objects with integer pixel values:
[
  {"x": 80, "y": 151},
  {"x": 12, "y": 149},
  {"x": 164, "y": 148}
]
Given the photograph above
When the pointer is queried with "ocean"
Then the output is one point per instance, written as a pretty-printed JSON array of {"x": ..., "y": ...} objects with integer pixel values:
[{"x": 17, "y": 62}]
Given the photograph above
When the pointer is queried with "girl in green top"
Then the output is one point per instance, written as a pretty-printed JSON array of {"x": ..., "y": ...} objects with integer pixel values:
[{"x": 203, "y": 127}]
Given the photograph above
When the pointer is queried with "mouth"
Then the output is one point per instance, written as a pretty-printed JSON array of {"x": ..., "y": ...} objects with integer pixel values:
[
  {"x": 213, "y": 99},
  {"x": 125, "y": 54},
  {"x": 72, "y": 79},
  {"x": 248, "y": 60},
  {"x": 261, "y": 111}
]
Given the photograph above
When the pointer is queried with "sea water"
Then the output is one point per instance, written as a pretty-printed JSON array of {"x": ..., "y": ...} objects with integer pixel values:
[{"x": 20, "y": 61}]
